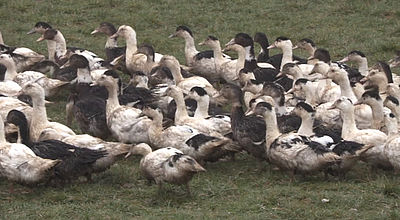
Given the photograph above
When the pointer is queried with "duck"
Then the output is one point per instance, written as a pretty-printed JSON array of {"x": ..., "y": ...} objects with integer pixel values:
[
  {"x": 310, "y": 127},
  {"x": 306, "y": 44},
  {"x": 62, "y": 52},
  {"x": 186, "y": 83},
  {"x": 169, "y": 165},
  {"x": 392, "y": 145},
  {"x": 261, "y": 71},
  {"x": 274, "y": 60},
  {"x": 293, "y": 152},
  {"x": 133, "y": 61},
  {"x": 111, "y": 48},
  {"x": 39, "y": 123},
  {"x": 317, "y": 93},
  {"x": 200, "y": 146},
  {"x": 372, "y": 137},
  {"x": 53, "y": 70},
  {"x": 123, "y": 121},
  {"x": 40, "y": 27},
  {"x": 241, "y": 57},
  {"x": 115, "y": 151},
  {"x": 392, "y": 103},
  {"x": 285, "y": 44},
  {"x": 363, "y": 112},
  {"x": 248, "y": 130},
  {"x": 51, "y": 86},
  {"x": 201, "y": 63},
  {"x": 207, "y": 126},
  {"x": 395, "y": 62},
  {"x": 8, "y": 104},
  {"x": 361, "y": 60},
  {"x": 23, "y": 57},
  {"x": 224, "y": 67},
  {"x": 18, "y": 163},
  {"x": 380, "y": 75},
  {"x": 349, "y": 151},
  {"x": 374, "y": 100},
  {"x": 203, "y": 102},
  {"x": 393, "y": 90},
  {"x": 74, "y": 161}
]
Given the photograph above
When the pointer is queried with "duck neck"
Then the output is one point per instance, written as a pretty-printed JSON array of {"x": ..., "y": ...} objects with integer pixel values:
[
  {"x": 51, "y": 49},
  {"x": 377, "y": 114},
  {"x": 306, "y": 127},
  {"x": 310, "y": 50},
  {"x": 202, "y": 107},
  {"x": 112, "y": 100},
  {"x": 310, "y": 91},
  {"x": 131, "y": 46},
  {"x": 250, "y": 59},
  {"x": 272, "y": 131},
  {"x": 240, "y": 60},
  {"x": 349, "y": 123},
  {"x": 392, "y": 129},
  {"x": 176, "y": 73},
  {"x": 111, "y": 42},
  {"x": 24, "y": 134},
  {"x": 181, "y": 112},
  {"x": 363, "y": 66},
  {"x": 190, "y": 48},
  {"x": 61, "y": 45},
  {"x": 1, "y": 39},
  {"x": 83, "y": 75},
  {"x": 39, "y": 117},
  {"x": 11, "y": 71},
  {"x": 287, "y": 56},
  {"x": 346, "y": 90}
]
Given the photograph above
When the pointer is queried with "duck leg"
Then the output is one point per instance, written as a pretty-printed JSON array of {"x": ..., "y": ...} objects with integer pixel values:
[{"x": 188, "y": 190}]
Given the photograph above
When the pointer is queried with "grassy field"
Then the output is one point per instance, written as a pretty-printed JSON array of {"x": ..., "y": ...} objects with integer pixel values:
[{"x": 232, "y": 189}]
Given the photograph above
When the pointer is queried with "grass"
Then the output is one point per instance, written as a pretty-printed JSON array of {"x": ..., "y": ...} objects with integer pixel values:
[{"x": 232, "y": 189}]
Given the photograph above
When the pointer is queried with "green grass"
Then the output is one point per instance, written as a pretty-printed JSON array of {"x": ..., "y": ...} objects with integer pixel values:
[{"x": 232, "y": 189}]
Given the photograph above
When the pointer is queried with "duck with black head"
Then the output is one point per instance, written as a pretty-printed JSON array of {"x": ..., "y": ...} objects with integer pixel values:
[{"x": 40, "y": 27}]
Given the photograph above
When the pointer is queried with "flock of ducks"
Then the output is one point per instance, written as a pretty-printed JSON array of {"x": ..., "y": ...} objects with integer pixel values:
[{"x": 302, "y": 115}]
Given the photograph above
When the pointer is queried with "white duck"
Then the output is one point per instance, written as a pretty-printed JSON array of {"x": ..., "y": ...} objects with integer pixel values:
[
  {"x": 19, "y": 164},
  {"x": 51, "y": 86},
  {"x": 371, "y": 137},
  {"x": 225, "y": 67},
  {"x": 186, "y": 83},
  {"x": 292, "y": 151},
  {"x": 40, "y": 127},
  {"x": 197, "y": 145},
  {"x": 392, "y": 146},
  {"x": 133, "y": 61},
  {"x": 285, "y": 44},
  {"x": 202, "y": 125},
  {"x": 169, "y": 165},
  {"x": 124, "y": 122}
]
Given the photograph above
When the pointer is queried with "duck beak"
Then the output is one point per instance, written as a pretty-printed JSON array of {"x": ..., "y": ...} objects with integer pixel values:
[
  {"x": 358, "y": 103},
  {"x": 344, "y": 60},
  {"x": 31, "y": 31},
  {"x": 172, "y": 35},
  {"x": 331, "y": 107},
  {"x": 231, "y": 42},
  {"x": 113, "y": 36},
  {"x": 279, "y": 74},
  {"x": 290, "y": 91},
  {"x": 41, "y": 38},
  {"x": 363, "y": 80},
  {"x": 271, "y": 46},
  {"x": 295, "y": 47},
  {"x": 311, "y": 58},
  {"x": 95, "y": 31},
  {"x": 201, "y": 43}
]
